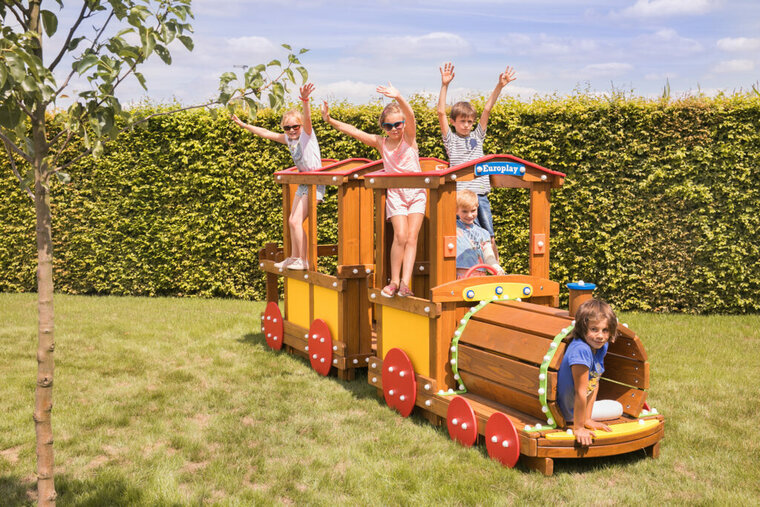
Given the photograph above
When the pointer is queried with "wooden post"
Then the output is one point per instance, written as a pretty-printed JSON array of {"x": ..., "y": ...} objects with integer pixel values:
[{"x": 540, "y": 196}]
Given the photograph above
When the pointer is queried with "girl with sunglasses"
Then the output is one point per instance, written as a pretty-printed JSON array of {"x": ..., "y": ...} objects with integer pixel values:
[
  {"x": 302, "y": 142},
  {"x": 404, "y": 207}
]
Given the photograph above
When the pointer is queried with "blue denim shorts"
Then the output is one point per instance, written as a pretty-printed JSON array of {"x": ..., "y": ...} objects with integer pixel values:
[
  {"x": 304, "y": 190},
  {"x": 485, "y": 218}
]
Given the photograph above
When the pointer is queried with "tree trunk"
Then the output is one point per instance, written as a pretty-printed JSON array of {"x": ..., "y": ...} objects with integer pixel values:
[{"x": 43, "y": 398}]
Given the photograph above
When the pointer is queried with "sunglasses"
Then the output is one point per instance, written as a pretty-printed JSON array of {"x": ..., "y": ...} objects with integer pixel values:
[
  {"x": 288, "y": 128},
  {"x": 391, "y": 126}
]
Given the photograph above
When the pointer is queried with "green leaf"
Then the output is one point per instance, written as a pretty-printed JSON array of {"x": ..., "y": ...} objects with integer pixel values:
[
  {"x": 286, "y": 46},
  {"x": 304, "y": 74},
  {"x": 3, "y": 76},
  {"x": 73, "y": 43},
  {"x": 273, "y": 63},
  {"x": 303, "y": 50},
  {"x": 87, "y": 61},
  {"x": 10, "y": 114},
  {"x": 64, "y": 178},
  {"x": 49, "y": 22},
  {"x": 141, "y": 79},
  {"x": 290, "y": 74},
  {"x": 186, "y": 41},
  {"x": 164, "y": 54}
]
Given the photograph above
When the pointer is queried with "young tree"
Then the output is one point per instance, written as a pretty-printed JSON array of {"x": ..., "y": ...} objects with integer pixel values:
[{"x": 125, "y": 34}]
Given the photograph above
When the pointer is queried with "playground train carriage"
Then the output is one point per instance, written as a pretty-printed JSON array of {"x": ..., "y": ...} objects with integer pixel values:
[{"x": 478, "y": 354}]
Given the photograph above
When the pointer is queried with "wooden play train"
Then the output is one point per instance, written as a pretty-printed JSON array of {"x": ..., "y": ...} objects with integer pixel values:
[{"x": 479, "y": 354}]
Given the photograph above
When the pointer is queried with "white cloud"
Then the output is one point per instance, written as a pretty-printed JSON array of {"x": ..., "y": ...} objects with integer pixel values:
[
  {"x": 253, "y": 46},
  {"x": 667, "y": 42},
  {"x": 739, "y": 44},
  {"x": 609, "y": 69},
  {"x": 663, "y": 8},
  {"x": 356, "y": 92},
  {"x": 654, "y": 76},
  {"x": 543, "y": 44},
  {"x": 433, "y": 45},
  {"x": 734, "y": 66}
]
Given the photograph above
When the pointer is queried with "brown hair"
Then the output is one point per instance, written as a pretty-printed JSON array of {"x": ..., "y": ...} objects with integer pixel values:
[
  {"x": 462, "y": 109},
  {"x": 391, "y": 108},
  {"x": 594, "y": 310},
  {"x": 466, "y": 198}
]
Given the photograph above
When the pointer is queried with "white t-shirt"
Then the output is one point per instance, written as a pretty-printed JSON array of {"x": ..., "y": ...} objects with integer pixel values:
[
  {"x": 305, "y": 151},
  {"x": 462, "y": 149}
]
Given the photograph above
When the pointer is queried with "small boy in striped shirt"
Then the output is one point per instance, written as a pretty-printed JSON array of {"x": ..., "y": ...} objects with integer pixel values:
[{"x": 465, "y": 144}]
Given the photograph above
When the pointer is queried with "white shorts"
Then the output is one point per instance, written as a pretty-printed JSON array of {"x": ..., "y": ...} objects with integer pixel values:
[
  {"x": 405, "y": 201},
  {"x": 304, "y": 190}
]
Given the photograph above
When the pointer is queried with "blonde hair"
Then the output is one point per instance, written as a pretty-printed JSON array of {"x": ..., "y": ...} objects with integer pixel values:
[
  {"x": 463, "y": 109},
  {"x": 391, "y": 108},
  {"x": 292, "y": 113},
  {"x": 467, "y": 199}
]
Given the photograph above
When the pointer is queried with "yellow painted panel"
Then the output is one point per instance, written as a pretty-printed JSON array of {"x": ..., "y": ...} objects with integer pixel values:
[
  {"x": 297, "y": 302},
  {"x": 326, "y": 308},
  {"x": 409, "y": 332},
  {"x": 618, "y": 430},
  {"x": 494, "y": 291}
]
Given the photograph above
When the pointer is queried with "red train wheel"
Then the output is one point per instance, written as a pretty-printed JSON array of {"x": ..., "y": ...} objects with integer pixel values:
[
  {"x": 461, "y": 422},
  {"x": 274, "y": 330},
  {"x": 399, "y": 382},
  {"x": 502, "y": 441},
  {"x": 320, "y": 347}
]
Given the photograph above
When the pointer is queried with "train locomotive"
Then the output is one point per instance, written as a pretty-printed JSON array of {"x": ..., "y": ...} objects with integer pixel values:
[{"x": 479, "y": 354}]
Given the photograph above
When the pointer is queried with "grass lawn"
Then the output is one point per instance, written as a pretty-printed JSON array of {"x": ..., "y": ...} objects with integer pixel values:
[{"x": 179, "y": 401}]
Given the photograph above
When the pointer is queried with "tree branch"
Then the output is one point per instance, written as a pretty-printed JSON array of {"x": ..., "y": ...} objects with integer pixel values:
[
  {"x": 15, "y": 169},
  {"x": 19, "y": 17},
  {"x": 132, "y": 125},
  {"x": 18, "y": 151},
  {"x": 92, "y": 46},
  {"x": 69, "y": 37}
]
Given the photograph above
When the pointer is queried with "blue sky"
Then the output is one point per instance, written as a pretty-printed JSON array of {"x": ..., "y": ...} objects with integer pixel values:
[{"x": 555, "y": 46}]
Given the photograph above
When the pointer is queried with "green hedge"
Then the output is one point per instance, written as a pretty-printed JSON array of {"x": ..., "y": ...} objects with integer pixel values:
[{"x": 660, "y": 208}]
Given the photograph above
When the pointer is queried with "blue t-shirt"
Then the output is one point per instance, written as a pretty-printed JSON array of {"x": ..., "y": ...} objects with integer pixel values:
[
  {"x": 470, "y": 242},
  {"x": 578, "y": 352}
]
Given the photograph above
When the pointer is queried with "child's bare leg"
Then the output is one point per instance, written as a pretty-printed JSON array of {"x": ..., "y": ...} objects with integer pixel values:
[
  {"x": 414, "y": 222},
  {"x": 298, "y": 214},
  {"x": 400, "y": 231}
]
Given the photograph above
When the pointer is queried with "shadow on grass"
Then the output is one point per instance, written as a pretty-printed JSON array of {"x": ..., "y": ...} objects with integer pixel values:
[
  {"x": 358, "y": 387},
  {"x": 104, "y": 489},
  {"x": 566, "y": 466},
  {"x": 13, "y": 491}
]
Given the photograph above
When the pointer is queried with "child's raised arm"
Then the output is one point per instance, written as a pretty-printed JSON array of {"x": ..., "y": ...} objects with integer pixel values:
[
  {"x": 260, "y": 131},
  {"x": 505, "y": 78},
  {"x": 447, "y": 75},
  {"x": 371, "y": 140},
  {"x": 305, "y": 92},
  {"x": 410, "y": 125}
]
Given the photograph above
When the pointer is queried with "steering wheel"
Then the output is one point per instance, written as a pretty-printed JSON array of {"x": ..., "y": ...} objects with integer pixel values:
[{"x": 487, "y": 267}]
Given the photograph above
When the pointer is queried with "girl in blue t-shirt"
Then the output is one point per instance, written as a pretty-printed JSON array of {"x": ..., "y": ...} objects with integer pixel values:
[{"x": 581, "y": 368}]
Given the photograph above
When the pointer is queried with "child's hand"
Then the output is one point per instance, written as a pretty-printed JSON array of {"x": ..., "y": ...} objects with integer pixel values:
[
  {"x": 306, "y": 91},
  {"x": 447, "y": 73},
  {"x": 237, "y": 121},
  {"x": 389, "y": 91},
  {"x": 499, "y": 270},
  {"x": 597, "y": 425},
  {"x": 583, "y": 436},
  {"x": 326, "y": 112},
  {"x": 507, "y": 76}
]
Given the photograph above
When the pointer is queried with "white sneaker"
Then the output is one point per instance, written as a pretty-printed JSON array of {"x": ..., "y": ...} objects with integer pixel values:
[
  {"x": 297, "y": 264},
  {"x": 284, "y": 263}
]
